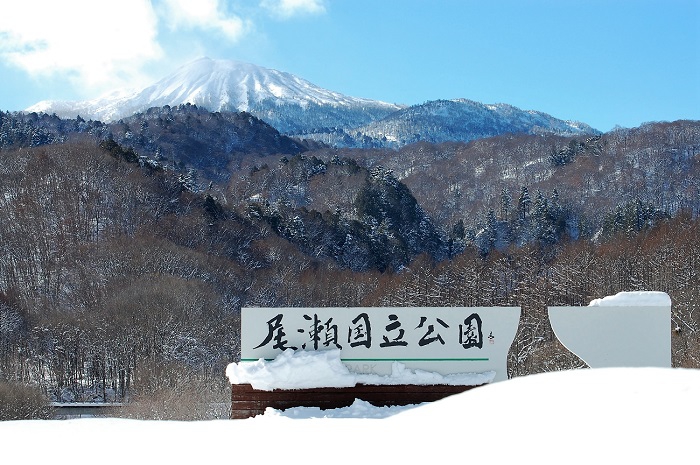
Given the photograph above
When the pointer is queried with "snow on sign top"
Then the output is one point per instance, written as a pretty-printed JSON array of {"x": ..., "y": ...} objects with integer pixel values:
[
  {"x": 636, "y": 299},
  {"x": 324, "y": 368}
]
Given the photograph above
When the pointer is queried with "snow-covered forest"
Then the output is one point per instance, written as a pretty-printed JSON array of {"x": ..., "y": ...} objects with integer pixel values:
[{"x": 126, "y": 258}]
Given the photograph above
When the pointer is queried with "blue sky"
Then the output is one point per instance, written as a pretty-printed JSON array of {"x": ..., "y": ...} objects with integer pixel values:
[{"x": 606, "y": 63}]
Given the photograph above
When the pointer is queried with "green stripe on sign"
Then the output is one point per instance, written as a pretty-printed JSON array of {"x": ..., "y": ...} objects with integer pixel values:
[
  {"x": 391, "y": 359},
  {"x": 414, "y": 359}
]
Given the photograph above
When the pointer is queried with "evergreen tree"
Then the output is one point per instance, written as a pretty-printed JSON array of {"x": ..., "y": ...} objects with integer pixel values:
[
  {"x": 506, "y": 203},
  {"x": 524, "y": 203}
]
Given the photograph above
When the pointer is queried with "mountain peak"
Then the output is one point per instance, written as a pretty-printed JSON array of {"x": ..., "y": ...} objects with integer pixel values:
[{"x": 217, "y": 85}]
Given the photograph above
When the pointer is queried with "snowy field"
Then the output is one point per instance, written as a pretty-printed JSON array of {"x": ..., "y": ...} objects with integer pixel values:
[{"x": 604, "y": 416}]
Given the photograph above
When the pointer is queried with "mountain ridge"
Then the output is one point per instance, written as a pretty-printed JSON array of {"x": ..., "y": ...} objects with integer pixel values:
[
  {"x": 296, "y": 107},
  {"x": 461, "y": 120}
]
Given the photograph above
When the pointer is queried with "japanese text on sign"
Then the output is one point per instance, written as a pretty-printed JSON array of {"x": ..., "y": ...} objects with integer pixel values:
[
  {"x": 441, "y": 339},
  {"x": 321, "y": 334}
]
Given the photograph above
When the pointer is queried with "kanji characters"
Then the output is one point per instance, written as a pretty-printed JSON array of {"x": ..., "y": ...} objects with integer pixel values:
[
  {"x": 275, "y": 331},
  {"x": 322, "y": 332},
  {"x": 394, "y": 326},
  {"x": 360, "y": 334},
  {"x": 427, "y": 338},
  {"x": 470, "y": 334}
]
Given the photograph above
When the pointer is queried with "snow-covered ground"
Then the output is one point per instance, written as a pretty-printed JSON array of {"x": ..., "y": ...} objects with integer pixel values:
[{"x": 610, "y": 415}]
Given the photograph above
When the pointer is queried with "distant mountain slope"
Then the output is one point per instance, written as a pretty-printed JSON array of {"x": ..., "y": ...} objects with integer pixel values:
[
  {"x": 457, "y": 120},
  {"x": 444, "y": 120},
  {"x": 183, "y": 138},
  {"x": 195, "y": 139}
]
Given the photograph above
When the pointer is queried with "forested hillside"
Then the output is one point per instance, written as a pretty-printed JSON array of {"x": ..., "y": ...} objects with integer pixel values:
[
  {"x": 126, "y": 259},
  {"x": 518, "y": 188},
  {"x": 110, "y": 270}
]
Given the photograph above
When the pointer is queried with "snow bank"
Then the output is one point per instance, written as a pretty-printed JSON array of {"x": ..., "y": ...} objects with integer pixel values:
[
  {"x": 358, "y": 409},
  {"x": 312, "y": 369},
  {"x": 609, "y": 415},
  {"x": 637, "y": 298}
]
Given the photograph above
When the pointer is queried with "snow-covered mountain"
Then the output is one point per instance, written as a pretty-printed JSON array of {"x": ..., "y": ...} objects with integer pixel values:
[
  {"x": 297, "y": 107},
  {"x": 287, "y": 102}
]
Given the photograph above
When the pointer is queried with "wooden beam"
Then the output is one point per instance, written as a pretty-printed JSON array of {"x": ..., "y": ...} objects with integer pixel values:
[{"x": 247, "y": 402}]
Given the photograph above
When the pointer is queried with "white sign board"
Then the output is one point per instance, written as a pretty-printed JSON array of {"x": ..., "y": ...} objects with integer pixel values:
[
  {"x": 615, "y": 336},
  {"x": 444, "y": 340}
]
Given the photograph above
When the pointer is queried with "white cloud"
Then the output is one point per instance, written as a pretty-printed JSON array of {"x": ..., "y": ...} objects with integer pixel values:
[
  {"x": 204, "y": 14},
  {"x": 99, "y": 45},
  {"x": 287, "y": 8}
]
